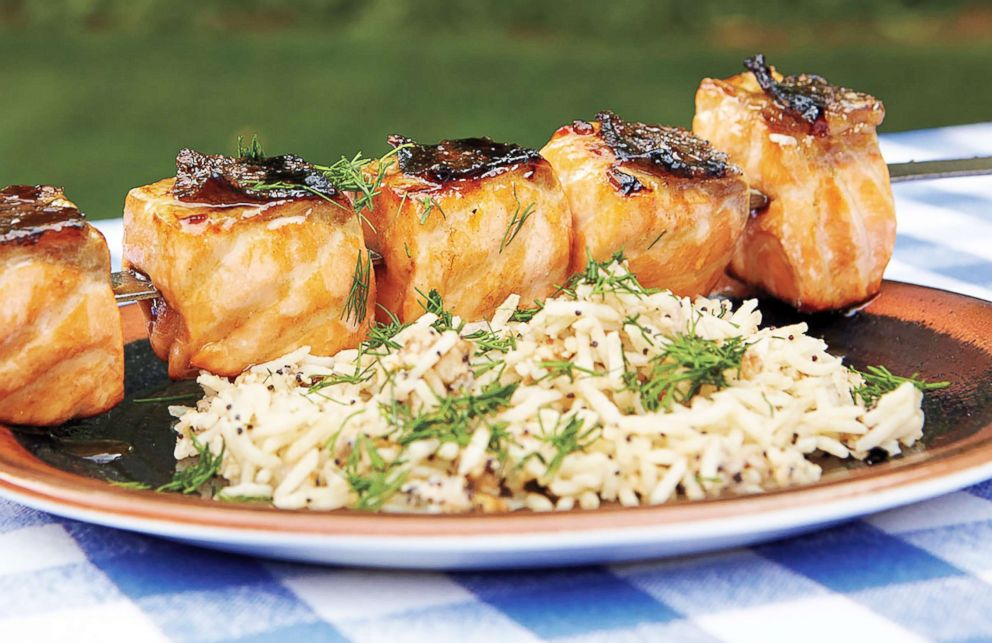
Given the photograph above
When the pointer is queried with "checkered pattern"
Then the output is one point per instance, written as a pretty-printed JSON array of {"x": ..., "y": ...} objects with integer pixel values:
[{"x": 921, "y": 573}]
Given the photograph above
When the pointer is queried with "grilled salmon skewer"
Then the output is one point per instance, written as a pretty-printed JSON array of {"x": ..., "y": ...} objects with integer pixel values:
[
  {"x": 253, "y": 257},
  {"x": 829, "y": 229},
  {"x": 672, "y": 203},
  {"x": 61, "y": 343},
  {"x": 473, "y": 219}
]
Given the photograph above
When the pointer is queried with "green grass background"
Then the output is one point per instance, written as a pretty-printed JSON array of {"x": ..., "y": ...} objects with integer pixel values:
[{"x": 100, "y": 110}]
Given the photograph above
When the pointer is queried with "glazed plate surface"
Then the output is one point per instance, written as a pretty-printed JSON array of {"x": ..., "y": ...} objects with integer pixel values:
[{"x": 910, "y": 329}]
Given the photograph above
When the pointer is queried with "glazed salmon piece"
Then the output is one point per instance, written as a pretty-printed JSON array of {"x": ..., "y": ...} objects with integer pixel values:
[
  {"x": 473, "y": 219},
  {"x": 674, "y": 205},
  {"x": 61, "y": 342},
  {"x": 829, "y": 231},
  {"x": 254, "y": 258}
]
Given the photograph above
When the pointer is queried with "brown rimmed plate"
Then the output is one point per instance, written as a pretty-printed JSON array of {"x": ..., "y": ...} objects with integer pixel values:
[{"x": 941, "y": 335}]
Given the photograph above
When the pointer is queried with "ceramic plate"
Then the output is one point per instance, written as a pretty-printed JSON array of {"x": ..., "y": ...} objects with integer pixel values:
[{"x": 941, "y": 335}]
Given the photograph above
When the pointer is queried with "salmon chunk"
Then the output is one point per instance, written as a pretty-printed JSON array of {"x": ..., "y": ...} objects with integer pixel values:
[
  {"x": 472, "y": 219},
  {"x": 811, "y": 147},
  {"x": 674, "y": 205},
  {"x": 254, "y": 257},
  {"x": 61, "y": 343}
]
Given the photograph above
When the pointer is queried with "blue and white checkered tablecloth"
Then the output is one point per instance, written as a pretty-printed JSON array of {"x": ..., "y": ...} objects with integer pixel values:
[{"x": 922, "y": 573}]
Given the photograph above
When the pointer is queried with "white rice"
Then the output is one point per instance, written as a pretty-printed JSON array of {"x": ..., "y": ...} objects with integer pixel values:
[{"x": 338, "y": 446}]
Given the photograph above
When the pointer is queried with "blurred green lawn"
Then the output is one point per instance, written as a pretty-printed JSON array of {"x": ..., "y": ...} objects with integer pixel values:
[{"x": 100, "y": 113}]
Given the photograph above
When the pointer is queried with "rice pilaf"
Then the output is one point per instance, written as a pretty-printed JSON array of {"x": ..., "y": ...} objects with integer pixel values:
[{"x": 605, "y": 393}]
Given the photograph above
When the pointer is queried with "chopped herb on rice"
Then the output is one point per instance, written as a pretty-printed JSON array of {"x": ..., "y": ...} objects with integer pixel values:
[{"x": 608, "y": 392}]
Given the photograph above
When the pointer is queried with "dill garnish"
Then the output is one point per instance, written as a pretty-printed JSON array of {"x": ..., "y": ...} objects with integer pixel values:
[
  {"x": 525, "y": 314},
  {"x": 347, "y": 175},
  {"x": 381, "y": 335},
  {"x": 631, "y": 320},
  {"x": 432, "y": 303},
  {"x": 603, "y": 279},
  {"x": 378, "y": 485},
  {"x": 332, "y": 441},
  {"x": 429, "y": 205},
  {"x": 878, "y": 381},
  {"x": 252, "y": 151},
  {"x": 489, "y": 340},
  {"x": 567, "y": 439},
  {"x": 499, "y": 441},
  {"x": 478, "y": 368},
  {"x": 771, "y": 409},
  {"x": 358, "y": 296},
  {"x": 359, "y": 376},
  {"x": 190, "y": 479},
  {"x": 129, "y": 484},
  {"x": 452, "y": 419},
  {"x": 657, "y": 239},
  {"x": 685, "y": 365},
  {"x": 517, "y": 221},
  {"x": 564, "y": 367},
  {"x": 166, "y": 398}
]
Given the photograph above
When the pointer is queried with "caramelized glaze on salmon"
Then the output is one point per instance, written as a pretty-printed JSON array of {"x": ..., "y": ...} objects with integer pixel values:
[
  {"x": 829, "y": 230},
  {"x": 61, "y": 343},
  {"x": 473, "y": 219},
  {"x": 674, "y": 205},
  {"x": 247, "y": 275}
]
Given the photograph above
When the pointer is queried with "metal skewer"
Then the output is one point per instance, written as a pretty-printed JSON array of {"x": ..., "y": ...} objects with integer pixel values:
[{"x": 130, "y": 286}]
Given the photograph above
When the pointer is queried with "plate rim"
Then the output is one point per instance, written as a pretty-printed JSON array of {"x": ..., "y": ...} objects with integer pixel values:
[{"x": 30, "y": 481}]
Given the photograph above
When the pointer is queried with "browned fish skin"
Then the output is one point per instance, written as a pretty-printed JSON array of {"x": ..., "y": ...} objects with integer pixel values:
[
  {"x": 244, "y": 284},
  {"x": 226, "y": 180},
  {"x": 674, "y": 205},
  {"x": 825, "y": 239},
  {"x": 447, "y": 224},
  {"x": 61, "y": 342}
]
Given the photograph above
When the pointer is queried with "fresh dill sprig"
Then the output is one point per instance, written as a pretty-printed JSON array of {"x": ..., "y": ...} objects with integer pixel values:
[
  {"x": 166, "y": 398},
  {"x": 129, "y": 484},
  {"x": 349, "y": 175},
  {"x": 452, "y": 419},
  {"x": 488, "y": 364},
  {"x": 557, "y": 368},
  {"x": 500, "y": 440},
  {"x": 359, "y": 376},
  {"x": 631, "y": 320},
  {"x": 567, "y": 439},
  {"x": 432, "y": 303},
  {"x": 374, "y": 488},
  {"x": 332, "y": 442},
  {"x": 261, "y": 186},
  {"x": 357, "y": 303},
  {"x": 599, "y": 275},
  {"x": 525, "y": 314},
  {"x": 771, "y": 409},
  {"x": 517, "y": 221},
  {"x": 381, "y": 335},
  {"x": 429, "y": 205},
  {"x": 190, "y": 479},
  {"x": 685, "y": 365},
  {"x": 657, "y": 239},
  {"x": 879, "y": 380},
  {"x": 490, "y": 340},
  {"x": 252, "y": 151}
]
